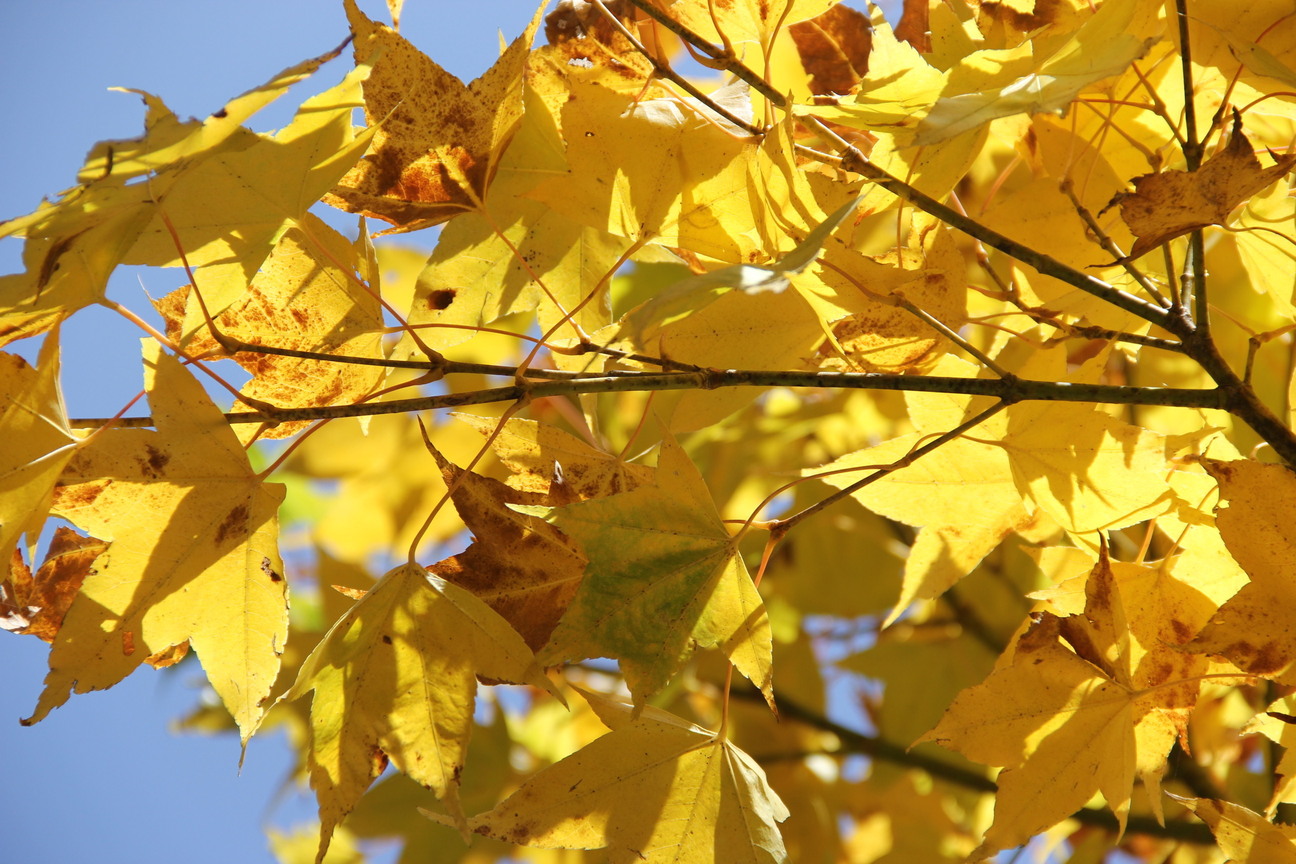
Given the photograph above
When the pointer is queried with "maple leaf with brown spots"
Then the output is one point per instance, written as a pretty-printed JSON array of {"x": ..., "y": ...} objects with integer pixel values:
[{"x": 1171, "y": 204}]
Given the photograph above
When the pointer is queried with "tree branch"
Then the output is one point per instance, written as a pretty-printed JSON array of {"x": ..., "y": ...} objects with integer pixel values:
[{"x": 1009, "y": 390}]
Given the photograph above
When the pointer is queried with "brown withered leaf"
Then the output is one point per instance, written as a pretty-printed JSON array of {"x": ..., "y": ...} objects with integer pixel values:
[
  {"x": 1173, "y": 203},
  {"x": 834, "y": 49},
  {"x": 574, "y": 24},
  {"x": 584, "y": 46},
  {"x": 438, "y": 140},
  {"x": 36, "y": 603},
  {"x": 523, "y": 567},
  {"x": 915, "y": 26}
]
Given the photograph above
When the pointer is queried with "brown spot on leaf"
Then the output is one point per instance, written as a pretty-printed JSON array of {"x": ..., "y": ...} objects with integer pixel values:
[
  {"x": 441, "y": 298},
  {"x": 1267, "y": 658},
  {"x": 378, "y": 760},
  {"x": 234, "y": 525},
  {"x": 268, "y": 570},
  {"x": 50, "y": 263},
  {"x": 128, "y": 642},
  {"x": 155, "y": 460}
]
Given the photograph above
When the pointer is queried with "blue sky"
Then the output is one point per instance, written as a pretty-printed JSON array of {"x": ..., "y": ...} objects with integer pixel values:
[{"x": 102, "y": 778}]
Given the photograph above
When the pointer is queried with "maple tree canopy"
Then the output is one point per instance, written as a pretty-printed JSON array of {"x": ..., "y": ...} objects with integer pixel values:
[{"x": 853, "y": 439}]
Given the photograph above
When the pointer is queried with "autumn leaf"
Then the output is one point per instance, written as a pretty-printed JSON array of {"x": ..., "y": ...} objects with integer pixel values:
[
  {"x": 834, "y": 48},
  {"x": 1063, "y": 720},
  {"x": 39, "y": 442},
  {"x": 961, "y": 522},
  {"x": 193, "y": 555},
  {"x": 857, "y": 299},
  {"x": 1102, "y": 47},
  {"x": 396, "y": 678},
  {"x": 1244, "y": 836},
  {"x": 548, "y": 461},
  {"x": 747, "y": 20},
  {"x": 659, "y": 171},
  {"x": 36, "y": 604},
  {"x": 74, "y": 243},
  {"x": 523, "y": 567},
  {"x": 710, "y": 802},
  {"x": 1074, "y": 483},
  {"x": 1257, "y": 528},
  {"x": 214, "y": 181},
  {"x": 515, "y": 254},
  {"x": 436, "y": 142},
  {"x": 300, "y": 300},
  {"x": 690, "y": 294},
  {"x": 664, "y": 579},
  {"x": 1173, "y": 203}
]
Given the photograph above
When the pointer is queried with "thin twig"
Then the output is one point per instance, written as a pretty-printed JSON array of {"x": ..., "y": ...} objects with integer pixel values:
[
  {"x": 782, "y": 526},
  {"x": 1109, "y": 245}
]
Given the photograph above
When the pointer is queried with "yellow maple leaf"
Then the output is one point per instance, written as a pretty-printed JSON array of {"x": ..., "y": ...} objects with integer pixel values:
[
  {"x": 736, "y": 331},
  {"x": 1163, "y": 612},
  {"x": 1174, "y": 203},
  {"x": 1258, "y": 530},
  {"x": 854, "y": 296},
  {"x": 437, "y": 142},
  {"x": 300, "y": 300},
  {"x": 710, "y": 801},
  {"x": 1244, "y": 836},
  {"x": 546, "y": 460},
  {"x": 987, "y": 84},
  {"x": 664, "y": 579},
  {"x": 193, "y": 555},
  {"x": 228, "y": 191},
  {"x": 1105, "y": 474},
  {"x": 901, "y": 85},
  {"x": 962, "y": 496},
  {"x": 38, "y": 442},
  {"x": 494, "y": 262},
  {"x": 230, "y": 208},
  {"x": 396, "y": 677},
  {"x": 661, "y": 170},
  {"x": 1063, "y": 721}
]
